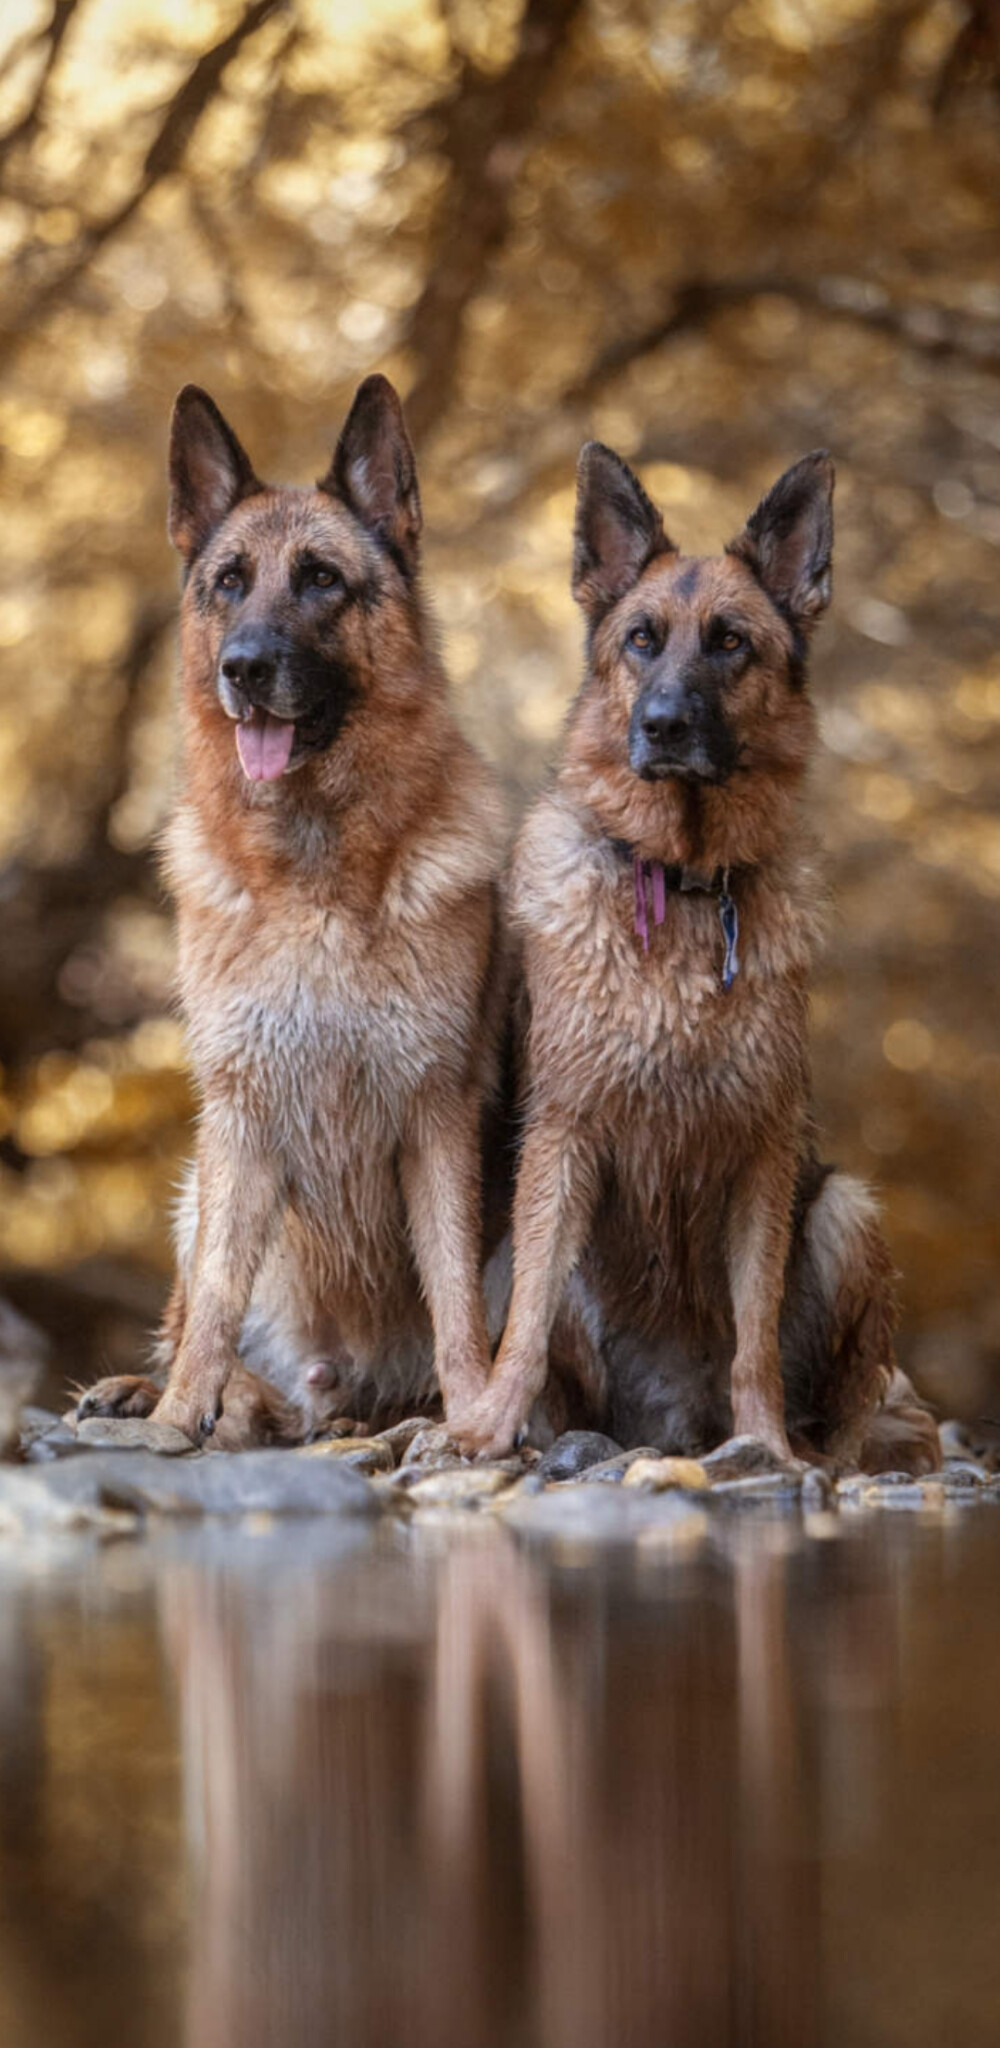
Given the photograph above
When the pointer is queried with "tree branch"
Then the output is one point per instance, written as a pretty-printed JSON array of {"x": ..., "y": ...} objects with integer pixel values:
[
  {"x": 23, "y": 129},
  {"x": 178, "y": 122},
  {"x": 485, "y": 124},
  {"x": 930, "y": 330}
]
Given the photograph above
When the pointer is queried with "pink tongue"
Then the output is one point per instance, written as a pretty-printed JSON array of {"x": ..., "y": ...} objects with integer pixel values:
[{"x": 264, "y": 745}]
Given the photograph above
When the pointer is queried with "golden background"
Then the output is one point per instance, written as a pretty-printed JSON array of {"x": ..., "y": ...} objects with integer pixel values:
[{"x": 715, "y": 235}]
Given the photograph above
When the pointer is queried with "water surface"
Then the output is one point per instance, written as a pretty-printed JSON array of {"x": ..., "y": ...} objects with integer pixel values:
[{"x": 449, "y": 1788}]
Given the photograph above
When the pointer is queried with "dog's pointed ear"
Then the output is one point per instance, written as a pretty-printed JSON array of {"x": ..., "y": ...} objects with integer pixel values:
[
  {"x": 374, "y": 471},
  {"x": 788, "y": 541},
  {"x": 618, "y": 530},
  {"x": 209, "y": 472}
]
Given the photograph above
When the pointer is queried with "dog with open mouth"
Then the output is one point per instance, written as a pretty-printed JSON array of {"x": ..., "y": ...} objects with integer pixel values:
[
  {"x": 677, "y": 1246},
  {"x": 334, "y": 856}
]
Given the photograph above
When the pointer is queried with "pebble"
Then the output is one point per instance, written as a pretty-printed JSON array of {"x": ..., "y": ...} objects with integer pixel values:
[
  {"x": 575, "y": 1452},
  {"x": 656, "y": 1474},
  {"x": 45, "y": 1435},
  {"x": 469, "y": 1486},
  {"x": 36, "y": 1422},
  {"x": 362, "y": 1454},
  {"x": 409, "y": 1475},
  {"x": 432, "y": 1447},
  {"x": 960, "y": 1475},
  {"x": 612, "y": 1471},
  {"x": 400, "y": 1436}
]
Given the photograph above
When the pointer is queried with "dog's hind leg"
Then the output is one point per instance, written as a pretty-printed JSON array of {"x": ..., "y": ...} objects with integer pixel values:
[
  {"x": 902, "y": 1436},
  {"x": 846, "y": 1393}
]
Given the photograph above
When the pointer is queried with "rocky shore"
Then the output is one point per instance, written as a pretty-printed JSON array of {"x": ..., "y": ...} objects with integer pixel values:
[{"x": 109, "y": 1476}]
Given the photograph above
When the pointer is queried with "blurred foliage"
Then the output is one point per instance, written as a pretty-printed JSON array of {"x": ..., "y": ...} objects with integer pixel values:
[{"x": 715, "y": 233}]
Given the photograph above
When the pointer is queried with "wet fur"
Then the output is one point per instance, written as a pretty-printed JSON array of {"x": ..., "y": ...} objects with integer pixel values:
[
  {"x": 668, "y": 1166},
  {"x": 338, "y": 959}
]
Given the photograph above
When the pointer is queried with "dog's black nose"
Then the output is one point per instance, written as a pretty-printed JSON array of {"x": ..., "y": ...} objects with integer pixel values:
[
  {"x": 667, "y": 719},
  {"x": 250, "y": 664}
]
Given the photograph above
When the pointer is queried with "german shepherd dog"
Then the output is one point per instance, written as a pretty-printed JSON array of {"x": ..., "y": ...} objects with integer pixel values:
[
  {"x": 334, "y": 857},
  {"x": 667, "y": 899}
]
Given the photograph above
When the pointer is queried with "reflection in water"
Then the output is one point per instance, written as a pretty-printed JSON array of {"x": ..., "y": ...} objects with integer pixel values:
[{"x": 307, "y": 1786}]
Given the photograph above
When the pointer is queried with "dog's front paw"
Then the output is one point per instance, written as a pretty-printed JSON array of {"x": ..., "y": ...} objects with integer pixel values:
[
  {"x": 194, "y": 1408},
  {"x": 753, "y": 1456},
  {"x": 489, "y": 1426},
  {"x": 194, "y": 1391},
  {"x": 124, "y": 1394}
]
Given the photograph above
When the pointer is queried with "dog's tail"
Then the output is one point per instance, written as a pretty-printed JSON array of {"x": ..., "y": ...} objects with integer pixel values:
[{"x": 902, "y": 1434}]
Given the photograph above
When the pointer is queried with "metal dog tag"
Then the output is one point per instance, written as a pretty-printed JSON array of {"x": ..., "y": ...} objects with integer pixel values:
[{"x": 730, "y": 922}]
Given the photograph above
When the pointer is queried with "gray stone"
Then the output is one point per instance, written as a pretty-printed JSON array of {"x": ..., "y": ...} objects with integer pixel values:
[
  {"x": 211, "y": 1483},
  {"x": 133, "y": 1433},
  {"x": 432, "y": 1447},
  {"x": 36, "y": 1422},
  {"x": 400, "y": 1436},
  {"x": 960, "y": 1475},
  {"x": 45, "y": 1435},
  {"x": 573, "y": 1452},
  {"x": 612, "y": 1471},
  {"x": 410, "y": 1475},
  {"x": 743, "y": 1457},
  {"x": 433, "y": 1450}
]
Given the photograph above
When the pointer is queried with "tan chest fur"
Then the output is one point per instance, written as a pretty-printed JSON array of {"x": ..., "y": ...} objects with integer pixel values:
[
  {"x": 320, "y": 1030},
  {"x": 650, "y": 1048}
]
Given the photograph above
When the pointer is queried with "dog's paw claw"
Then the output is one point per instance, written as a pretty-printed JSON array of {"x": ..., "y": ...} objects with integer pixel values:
[{"x": 127, "y": 1395}]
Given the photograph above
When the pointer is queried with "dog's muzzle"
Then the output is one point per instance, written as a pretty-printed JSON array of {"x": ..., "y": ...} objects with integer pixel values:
[{"x": 671, "y": 734}]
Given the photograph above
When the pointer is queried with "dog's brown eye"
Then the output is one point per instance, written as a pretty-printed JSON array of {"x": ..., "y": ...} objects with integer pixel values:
[
  {"x": 640, "y": 638},
  {"x": 732, "y": 641},
  {"x": 230, "y": 580},
  {"x": 321, "y": 578}
]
